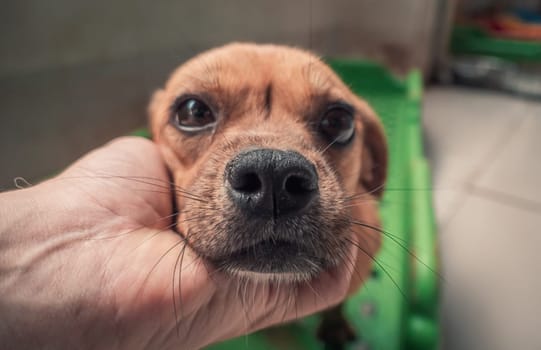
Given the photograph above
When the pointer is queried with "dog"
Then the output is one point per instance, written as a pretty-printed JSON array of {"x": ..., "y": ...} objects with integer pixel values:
[{"x": 289, "y": 161}]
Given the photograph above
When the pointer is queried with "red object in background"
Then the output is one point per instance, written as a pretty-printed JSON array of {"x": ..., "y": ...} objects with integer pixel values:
[{"x": 509, "y": 26}]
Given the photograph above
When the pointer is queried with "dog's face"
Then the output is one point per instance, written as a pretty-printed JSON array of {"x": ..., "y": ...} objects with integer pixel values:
[{"x": 267, "y": 147}]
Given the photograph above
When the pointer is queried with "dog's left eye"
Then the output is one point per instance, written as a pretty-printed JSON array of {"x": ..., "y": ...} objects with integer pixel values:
[
  {"x": 338, "y": 125},
  {"x": 193, "y": 115}
]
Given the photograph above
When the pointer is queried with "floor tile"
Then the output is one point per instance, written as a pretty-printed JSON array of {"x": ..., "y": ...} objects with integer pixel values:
[
  {"x": 463, "y": 127},
  {"x": 517, "y": 171},
  {"x": 491, "y": 266}
]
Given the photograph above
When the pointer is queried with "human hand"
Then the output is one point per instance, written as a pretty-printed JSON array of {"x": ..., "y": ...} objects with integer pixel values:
[{"x": 88, "y": 259}]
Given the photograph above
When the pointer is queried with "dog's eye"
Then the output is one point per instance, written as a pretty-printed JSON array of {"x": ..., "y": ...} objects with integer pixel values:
[
  {"x": 193, "y": 115},
  {"x": 338, "y": 125}
]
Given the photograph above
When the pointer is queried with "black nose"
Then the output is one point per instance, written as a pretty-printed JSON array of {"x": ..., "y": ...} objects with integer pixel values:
[{"x": 271, "y": 183}]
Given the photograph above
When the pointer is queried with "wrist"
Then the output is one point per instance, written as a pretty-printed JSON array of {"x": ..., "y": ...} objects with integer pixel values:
[{"x": 40, "y": 308}]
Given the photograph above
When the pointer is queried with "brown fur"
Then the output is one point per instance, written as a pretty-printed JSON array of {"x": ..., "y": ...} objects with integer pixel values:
[{"x": 271, "y": 96}]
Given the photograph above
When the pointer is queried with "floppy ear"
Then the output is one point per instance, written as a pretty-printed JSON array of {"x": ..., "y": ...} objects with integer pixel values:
[
  {"x": 374, "y": 157},
  {"x": 156, "y": 102}
]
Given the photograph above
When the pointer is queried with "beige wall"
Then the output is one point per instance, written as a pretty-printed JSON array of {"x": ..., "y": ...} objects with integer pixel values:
[{"x": 37, "y": 34}]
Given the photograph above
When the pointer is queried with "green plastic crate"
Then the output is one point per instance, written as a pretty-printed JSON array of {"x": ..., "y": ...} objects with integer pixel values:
[
  {"x": 399, "y": 311},
  {"x": 468, "y": 40}
]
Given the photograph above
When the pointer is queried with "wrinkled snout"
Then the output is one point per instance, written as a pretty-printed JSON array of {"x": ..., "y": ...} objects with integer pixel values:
[{"x": 271, "y": 183}]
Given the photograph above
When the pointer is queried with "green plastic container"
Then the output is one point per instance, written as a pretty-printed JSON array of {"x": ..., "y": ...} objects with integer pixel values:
[
  {"x": 398, "y": 306},
  {"x": 473, "y": 41}
]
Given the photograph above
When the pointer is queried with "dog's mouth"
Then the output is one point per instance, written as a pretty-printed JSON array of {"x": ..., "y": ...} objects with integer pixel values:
[
  {"x": 291, "y": 260},
  {"x": 268, "y": 249}
]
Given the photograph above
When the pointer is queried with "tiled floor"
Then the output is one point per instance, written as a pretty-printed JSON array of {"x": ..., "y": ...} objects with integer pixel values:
[{"x": 485, "y": 149}]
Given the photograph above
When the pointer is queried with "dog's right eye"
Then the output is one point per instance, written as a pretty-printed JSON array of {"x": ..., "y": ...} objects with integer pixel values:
[
  {"x": 338, "y": 124},
  {"x": 193, "y": 115}
]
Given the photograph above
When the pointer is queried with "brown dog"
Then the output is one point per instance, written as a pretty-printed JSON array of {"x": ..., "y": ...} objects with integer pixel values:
[{"x": 285, "y": 156}]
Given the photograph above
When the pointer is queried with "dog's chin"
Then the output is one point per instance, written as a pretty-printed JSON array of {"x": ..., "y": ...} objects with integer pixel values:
[
  {"x": 273, "y": 261},
  {"x": 269, "y": 277}
]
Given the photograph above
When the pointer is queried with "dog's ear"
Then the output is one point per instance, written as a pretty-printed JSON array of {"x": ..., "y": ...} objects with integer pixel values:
[
  {"x": 374, "y": 157},
  {"x": 154, "y": 108}
]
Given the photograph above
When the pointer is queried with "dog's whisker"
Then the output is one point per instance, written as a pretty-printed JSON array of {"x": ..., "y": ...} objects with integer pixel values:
[
  {"x": 171, "y": 226},
  {"x": 291, "y": 300},
  {"x": 379, "y": 264},
  {"x": 148, "y": 180},
  {"x": 167, "y": 186},
  {"x": 387, "y": 189},
  {"x": 349, "y": 204},
  {"x": 246, "y": 330},
  {"x": 328, "y": 146},
  {"x": 178, "y": 263},
  {"x": 409, "y": 189},
  {"x": 366, "y": 193},
  {"x": 240, "y": 297},
  {"x": 135, "y": 229},
  {"x": 315, "y": 292},
  {"x": 401, "y": 243},
  {"x": 167, "y": 228},
  {"x": 169, "y": 250},
  {"x": 353, "y": 221},
  {"x": 348, "y": 260}
]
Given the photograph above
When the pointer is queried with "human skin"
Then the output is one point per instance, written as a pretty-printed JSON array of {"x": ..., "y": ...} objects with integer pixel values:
[{"x": 88, "y": 260}]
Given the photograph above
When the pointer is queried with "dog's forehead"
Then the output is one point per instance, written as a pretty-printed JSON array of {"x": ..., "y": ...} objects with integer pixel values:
[{"x": 237, "y": 65}]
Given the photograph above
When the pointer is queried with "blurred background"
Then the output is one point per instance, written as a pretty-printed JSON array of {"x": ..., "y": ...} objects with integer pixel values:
[{"x": 75, "y": 74}]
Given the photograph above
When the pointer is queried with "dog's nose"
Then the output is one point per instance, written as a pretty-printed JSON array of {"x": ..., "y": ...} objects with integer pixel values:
[{"x": 271, "y": 183}]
